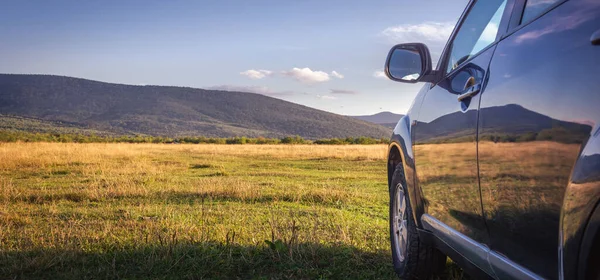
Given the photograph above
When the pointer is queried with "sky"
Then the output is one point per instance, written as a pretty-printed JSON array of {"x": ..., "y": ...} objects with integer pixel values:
[{"x": 323, "y": 54}]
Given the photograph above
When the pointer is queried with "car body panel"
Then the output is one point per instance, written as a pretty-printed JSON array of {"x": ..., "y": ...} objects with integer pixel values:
[
  {"x": 536, "y": 142},
  {"x": 537, "y": 112},
  {"x": 473, "y": 254},
  {"x": 446, "y": 151},
  {"x": 581, "y": 198},
  {"x": 402, "y": 143}
]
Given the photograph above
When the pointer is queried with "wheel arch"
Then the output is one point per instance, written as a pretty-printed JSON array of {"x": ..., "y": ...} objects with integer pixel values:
[
  {"x": 394, "y": 158},
  {"x": 400, "y": 151},
  {"x": 580, "y": 214}
]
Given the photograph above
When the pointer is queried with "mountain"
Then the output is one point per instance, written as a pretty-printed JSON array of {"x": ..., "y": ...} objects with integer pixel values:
[
  {"x": 9, "y": 122},
  {"x": 511, "y": 121},
  {"x": 167, "y": 110},
  {"x": 387, "y": 119}
]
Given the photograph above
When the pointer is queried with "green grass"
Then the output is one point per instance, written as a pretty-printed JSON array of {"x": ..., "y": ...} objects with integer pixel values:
[{"x": 90, "y": 211}]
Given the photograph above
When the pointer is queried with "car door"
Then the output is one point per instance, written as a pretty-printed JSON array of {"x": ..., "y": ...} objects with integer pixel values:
[
  {"x": 537, "y": 110},
  {"x": 445, "y": 134}
]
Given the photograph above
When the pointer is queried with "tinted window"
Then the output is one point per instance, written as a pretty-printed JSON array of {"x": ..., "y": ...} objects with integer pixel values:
[
  {"x": 533, "y": 8},
  {"x": 478, "y": 30}
]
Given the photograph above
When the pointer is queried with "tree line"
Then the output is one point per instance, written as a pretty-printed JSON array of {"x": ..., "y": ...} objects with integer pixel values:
[{"x": 21, "y": 136}]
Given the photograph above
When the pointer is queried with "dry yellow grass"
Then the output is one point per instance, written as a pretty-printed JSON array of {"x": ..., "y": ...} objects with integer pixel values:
[
  {"x": 115, "y": 170},
  {"x": 72, "y": 210},
  {"x": 15, "y": 155},
  {"x": 190, "y": 211}
]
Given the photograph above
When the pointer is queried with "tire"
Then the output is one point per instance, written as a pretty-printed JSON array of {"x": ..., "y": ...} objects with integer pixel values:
[{"x": 415, "y": 260}]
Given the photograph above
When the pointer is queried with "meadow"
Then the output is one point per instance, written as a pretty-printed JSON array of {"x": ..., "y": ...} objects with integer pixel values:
[{"x": 137, "y": 211}]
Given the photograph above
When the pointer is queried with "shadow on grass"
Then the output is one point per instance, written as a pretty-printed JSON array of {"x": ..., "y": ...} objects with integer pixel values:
[
  {"x": 199, "y": 260},
  {"x": 200, "y": 197},
  {"x": 189, "y": 197},
  {"x": 200, "y": 166}
]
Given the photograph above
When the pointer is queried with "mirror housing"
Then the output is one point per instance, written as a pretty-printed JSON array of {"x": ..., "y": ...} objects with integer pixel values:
[{"x": 409, "y": 63}]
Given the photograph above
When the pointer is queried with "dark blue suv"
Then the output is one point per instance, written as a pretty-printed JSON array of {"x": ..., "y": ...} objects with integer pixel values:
[{"x": 497, "y": 163}]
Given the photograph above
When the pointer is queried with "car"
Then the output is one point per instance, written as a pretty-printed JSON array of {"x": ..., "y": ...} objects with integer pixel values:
[{"x": 497, "y": 162}]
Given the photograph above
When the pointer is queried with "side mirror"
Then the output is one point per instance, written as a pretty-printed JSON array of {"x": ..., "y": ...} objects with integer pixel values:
[{"x": 409, "y": 63}]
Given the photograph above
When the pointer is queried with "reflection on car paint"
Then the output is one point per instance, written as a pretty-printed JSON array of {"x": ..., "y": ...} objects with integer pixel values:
[
  {"x": 447, "y": 172},
  {"x": 533, "y": 102},
  {"x": 517, "y": 167}
]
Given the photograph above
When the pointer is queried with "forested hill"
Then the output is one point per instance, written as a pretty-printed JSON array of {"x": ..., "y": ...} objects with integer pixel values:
[{"x": 169, "y": 111}]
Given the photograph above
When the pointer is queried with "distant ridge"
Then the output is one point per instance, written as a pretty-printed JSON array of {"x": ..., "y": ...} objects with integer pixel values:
[
  {"x": 167, "y": 110},
  {"x": 387, "y": 119},
  {"x": 510, "y": 119}
]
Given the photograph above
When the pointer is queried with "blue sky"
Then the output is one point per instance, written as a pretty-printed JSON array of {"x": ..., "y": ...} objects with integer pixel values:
[{"x": 285, "y": 49}]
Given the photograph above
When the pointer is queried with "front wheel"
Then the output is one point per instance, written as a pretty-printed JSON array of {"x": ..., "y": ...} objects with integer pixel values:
[{"x": 412, "y": 259}]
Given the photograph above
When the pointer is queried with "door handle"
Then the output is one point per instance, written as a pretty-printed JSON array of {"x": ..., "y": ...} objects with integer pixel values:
[
  {"x": 470, "y": 92},
  {"x": 595, "y": 39}
]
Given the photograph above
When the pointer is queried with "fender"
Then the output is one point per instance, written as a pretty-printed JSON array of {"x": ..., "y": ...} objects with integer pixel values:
[
  {"x": 400, "y": 151},
  {"x": 581, "y": 198}
]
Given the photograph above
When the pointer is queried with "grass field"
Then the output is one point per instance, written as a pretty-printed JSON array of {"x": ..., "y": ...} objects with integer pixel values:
[{"x": 136, "y": 211}]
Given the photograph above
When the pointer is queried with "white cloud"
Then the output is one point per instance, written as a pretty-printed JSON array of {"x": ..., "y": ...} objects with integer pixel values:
[
  {"x": 253, "y": 89},
  {"x": 335, "y": 74},
  {"x": 564, "y": 23},
  {"x": 427, "y": 32},
  {"x": 379, "y": 74},
  {"x": 489, "y": 33},
  {"x": 411, "y": 77},
  {"x": 326, "y": 97},
  {"x": 540, "y": 2},
  {"x": 256, "y": 74},
  {"x": 305, "y": 75},
  {"x": 433, "y": 34}
]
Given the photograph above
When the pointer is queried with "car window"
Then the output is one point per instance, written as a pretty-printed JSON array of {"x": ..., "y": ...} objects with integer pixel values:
[
  {"x": 478, "y": 30},
  {"x": 533, "y": 8}
]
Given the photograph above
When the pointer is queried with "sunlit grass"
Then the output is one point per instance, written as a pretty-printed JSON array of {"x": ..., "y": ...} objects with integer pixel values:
[{"x": 193, "y": 211}]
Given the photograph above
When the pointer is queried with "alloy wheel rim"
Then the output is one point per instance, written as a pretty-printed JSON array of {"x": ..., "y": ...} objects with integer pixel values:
[{"x": 400, "y": 230}]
